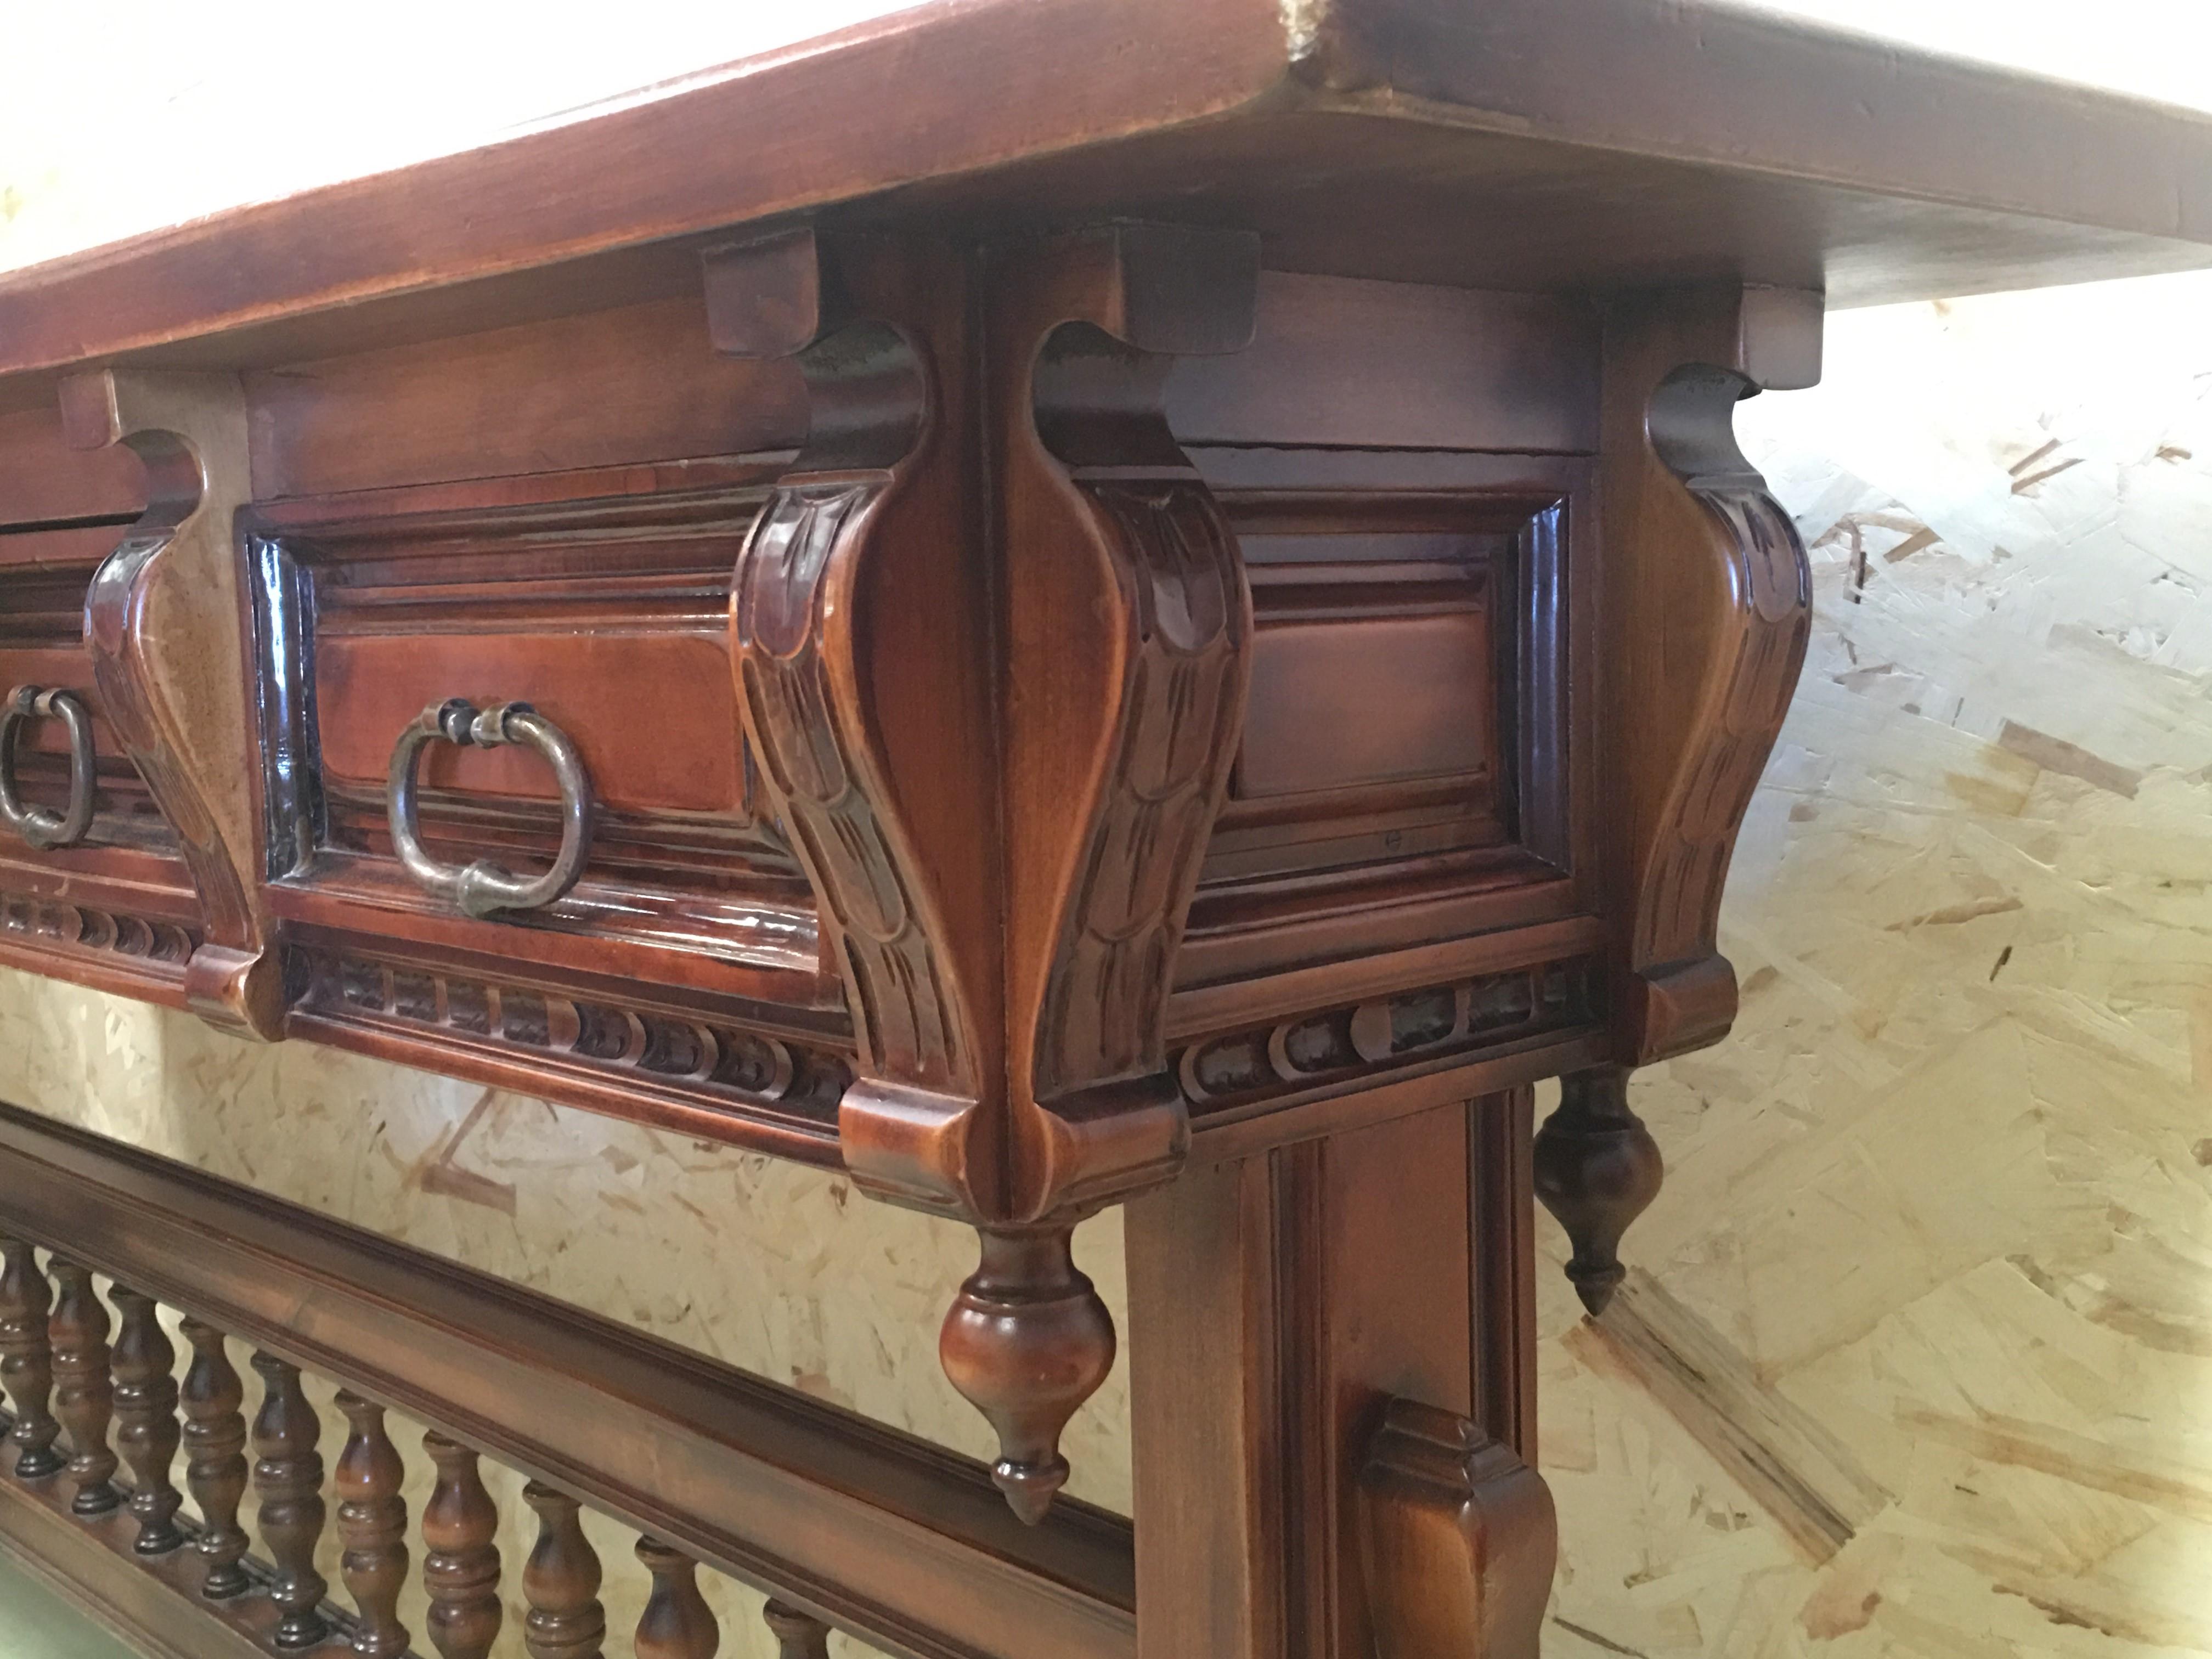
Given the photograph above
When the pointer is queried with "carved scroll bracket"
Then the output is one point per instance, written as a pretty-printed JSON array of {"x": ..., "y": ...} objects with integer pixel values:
[
  {"x": 165, "y": 626},
  {"x": 1707, "y": 610},
  {"x": 997, "y": 732},
  {"x": 1128, "y": 626},
  {"x": 1708, "y": 607}
]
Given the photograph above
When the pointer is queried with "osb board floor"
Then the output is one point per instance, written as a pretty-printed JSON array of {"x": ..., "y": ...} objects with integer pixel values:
[{"x": 1918, "y": 1357}]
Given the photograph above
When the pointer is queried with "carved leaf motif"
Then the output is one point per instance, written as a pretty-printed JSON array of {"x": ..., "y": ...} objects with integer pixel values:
[
  {"x": 1182, "y": 701},
  {"x": 906, "y": 1021}
]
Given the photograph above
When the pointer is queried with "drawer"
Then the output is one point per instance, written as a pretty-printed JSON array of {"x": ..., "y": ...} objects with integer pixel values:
[{"x": 681, "y": 969}]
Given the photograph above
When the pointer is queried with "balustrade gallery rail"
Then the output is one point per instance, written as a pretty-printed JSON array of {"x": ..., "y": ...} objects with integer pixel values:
[{"x": 842, "y": 1521}]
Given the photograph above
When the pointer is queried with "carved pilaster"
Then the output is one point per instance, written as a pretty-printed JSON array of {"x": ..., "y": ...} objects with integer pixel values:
[
  {"x": 165, "y": 627},
  {"x": 1458, "y": 1539},
  {"x": 1000, "y": 788}
]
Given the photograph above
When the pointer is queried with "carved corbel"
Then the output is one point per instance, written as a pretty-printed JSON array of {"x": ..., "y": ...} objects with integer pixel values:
[
  {"x": 998, "y": 736},
  {"x": 1707, "y": 610},
  {"x": 1458, "y": 1539},
  {"x": 1124, "y": 665},
  {"x": 166, "y": 628}
]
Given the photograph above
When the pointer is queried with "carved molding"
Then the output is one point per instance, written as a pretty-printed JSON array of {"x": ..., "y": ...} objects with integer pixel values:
[
  {"x": 107, "y": 931},
  {"x": 712, "y": 1061},
  {"x": 164, "y": 625},
  {"x": 1458, "y": 1539},
  {"x": 1366, "y": 1042}
]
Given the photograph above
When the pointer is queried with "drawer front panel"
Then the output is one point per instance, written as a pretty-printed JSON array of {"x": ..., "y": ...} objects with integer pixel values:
[
  {"x": 652, "y": 712},
  {"x": 609, "y": 616},
  {"x": 1413, "y": 742}
]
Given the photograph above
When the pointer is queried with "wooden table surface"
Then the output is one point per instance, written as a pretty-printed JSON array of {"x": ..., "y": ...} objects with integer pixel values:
[{"x": 1617, "y": 139}]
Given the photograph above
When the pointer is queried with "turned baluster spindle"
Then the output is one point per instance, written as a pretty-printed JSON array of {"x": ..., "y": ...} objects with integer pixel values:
[
  {"x": 215, "y": 1458},
  {"x": 287, "y": 1479},
  {"x": 460, "y": 1566},
  {"x": 798, "y": 1635},
  {"x": 677, "y": 1623},
  {"x": 84, "y": 1393},
  {"x": 26, "y": 1363},
  {"x": 372, "y": 1526},
  {"x": 562, "y": 1582},
  {"x": 146, "y": 1419}
]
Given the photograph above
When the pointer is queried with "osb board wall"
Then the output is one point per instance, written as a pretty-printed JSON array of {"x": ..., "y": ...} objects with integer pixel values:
[{"x": 1918, "y": 1356}]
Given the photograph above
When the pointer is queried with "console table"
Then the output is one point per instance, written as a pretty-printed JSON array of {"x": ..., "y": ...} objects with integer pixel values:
[{"x": 1049, "y": 603}]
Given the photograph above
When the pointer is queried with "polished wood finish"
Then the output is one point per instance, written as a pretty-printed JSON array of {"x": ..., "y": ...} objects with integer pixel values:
[
  {"x": 287, "y": 1479},
  {"x": 146, "y": 1434},
  {"x": 1259, "y": 1395},
  {"x": 1178, "y": 631},
  {"x": 1457, "y": 1539},
  {"x": 371, "y": 1523},
  {"x": 27, "y": 1362},
  {"x": 758, "y": 1479},
  {"x": 1618, "y": 140},
  {"x": 216, "y": 1470},
  {"x": 84, "y": 1393},
  {"x": 677, "y": 1623},
  {"x": 798, "y": 1635},
  {"x": 1596, "y": 1169},
  {"x": 460, "y": 1563},
  {"x": 561, "y": 1581},
  {"x": 165, "y": 621}
]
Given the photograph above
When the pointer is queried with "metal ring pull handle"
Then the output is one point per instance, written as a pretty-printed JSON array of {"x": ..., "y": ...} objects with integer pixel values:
[
  {"x": 40, "y": 826},
  {"x": 484, "y": 887}
]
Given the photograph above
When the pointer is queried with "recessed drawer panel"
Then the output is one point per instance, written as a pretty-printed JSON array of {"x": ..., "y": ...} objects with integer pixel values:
[{"x": 651, "y": 711}]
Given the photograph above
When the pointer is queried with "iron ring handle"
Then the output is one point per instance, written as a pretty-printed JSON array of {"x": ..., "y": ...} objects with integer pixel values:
[
  {"x": 40, "y": 826},
  {"x": 482, "y": 888}
]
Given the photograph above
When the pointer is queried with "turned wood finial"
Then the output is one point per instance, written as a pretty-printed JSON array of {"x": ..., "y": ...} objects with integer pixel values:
[
  {"x": 84, "y": 1395},
  {"x": 677, "y": 1623},
  {"x": 372, "y": 1527},
  {"x": 27, "y": 1362},
  {"x": 561, "y": 1581},
  {"x": 215, "y": 1458},
  {"x": 1027, "y": 1341},
  {"x": 146, "y": 1414},
  {"x": 798, "y": 1635},
  {"x": 1597, "y": 1169},
  {"x": 460, "y": 1569},
  {"x": 287, "y": 1478}
]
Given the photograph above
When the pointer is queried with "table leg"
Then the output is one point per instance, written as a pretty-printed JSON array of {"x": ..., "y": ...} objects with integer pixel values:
[{"x": 1331, "y": 1392}]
